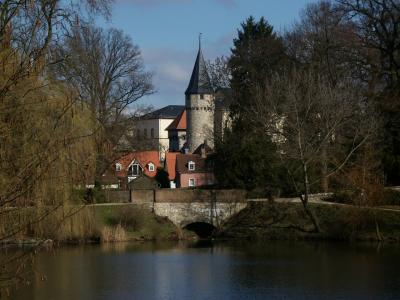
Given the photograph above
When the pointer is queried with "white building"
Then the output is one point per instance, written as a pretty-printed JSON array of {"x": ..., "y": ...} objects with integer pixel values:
[{"x": 151, "y": 128}]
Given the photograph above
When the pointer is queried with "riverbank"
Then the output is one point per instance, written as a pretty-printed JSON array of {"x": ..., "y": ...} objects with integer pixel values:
[
  {"x": 288, "y": 221},
  {"x": 258, "y": 221},
  {"x": 92, "y": 224}
]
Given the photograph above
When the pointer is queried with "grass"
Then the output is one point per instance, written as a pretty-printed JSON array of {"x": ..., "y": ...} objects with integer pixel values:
[
  {"x": 86, "y": 224},
  {"x": 288, "y": 221}
]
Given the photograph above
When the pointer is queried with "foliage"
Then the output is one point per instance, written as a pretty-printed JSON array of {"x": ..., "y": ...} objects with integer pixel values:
[
  {"x": 257, "y": 51},
  {"x": 162, "y": 178},
  {"x": 248, "y": 162},
  {"x": 391, "y": 197}
]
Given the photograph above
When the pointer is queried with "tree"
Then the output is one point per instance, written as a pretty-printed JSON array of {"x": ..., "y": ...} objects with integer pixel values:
[
  {"x": 377, "y": 27},
  {"x": 107, "y": 70},
  {"x": 220, "y": 74},
  {"x": 45, "y": 138},
  {"x": 327, "y": 43},
  {"x": 301, "y": 112},
  {"x": 257, "y": 51}
]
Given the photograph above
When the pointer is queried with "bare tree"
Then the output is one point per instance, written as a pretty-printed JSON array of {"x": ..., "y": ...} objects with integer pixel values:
[
  {"x": 377, "y": 23},
  {"x": 107, "y": 70},
  {"x": 219, "y": 71},
  {"x": 302, "y": 112}
]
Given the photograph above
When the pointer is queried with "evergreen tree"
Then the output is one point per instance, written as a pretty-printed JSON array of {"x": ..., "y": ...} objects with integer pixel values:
[{"x": 257, "y": 52}]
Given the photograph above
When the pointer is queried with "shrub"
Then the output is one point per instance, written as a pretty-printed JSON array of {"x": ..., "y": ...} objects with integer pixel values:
[{"x": 391, "y": 197}]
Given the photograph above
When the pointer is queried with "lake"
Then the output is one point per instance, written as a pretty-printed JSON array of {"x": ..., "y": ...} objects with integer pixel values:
[{"x": 245, "y": 270}]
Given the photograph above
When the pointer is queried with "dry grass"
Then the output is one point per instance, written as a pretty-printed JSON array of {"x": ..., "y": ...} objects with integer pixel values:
[{"x": 114, "y": 234}]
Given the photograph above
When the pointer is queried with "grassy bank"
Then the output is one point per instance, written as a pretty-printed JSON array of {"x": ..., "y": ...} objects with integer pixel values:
[
  {"x": 263, "y": 220},
  {"x": 93, "y": 223}
]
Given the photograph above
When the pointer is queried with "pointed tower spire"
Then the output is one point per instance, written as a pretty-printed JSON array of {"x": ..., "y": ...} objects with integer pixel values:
[
  {"x": 200, "y": 41},
  {"x": 200, "y": 82}
]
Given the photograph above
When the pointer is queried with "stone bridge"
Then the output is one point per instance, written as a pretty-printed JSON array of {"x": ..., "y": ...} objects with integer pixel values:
[{"x": 198, "y": 210}]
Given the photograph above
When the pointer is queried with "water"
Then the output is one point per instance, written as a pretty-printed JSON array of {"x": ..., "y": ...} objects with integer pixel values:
[{"x": 271, "y": 270}]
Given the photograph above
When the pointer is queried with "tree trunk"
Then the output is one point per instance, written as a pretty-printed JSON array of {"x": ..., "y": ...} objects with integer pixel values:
[
  {"x": 304, "y": 200},
  {"x": 324, "y": 169}
]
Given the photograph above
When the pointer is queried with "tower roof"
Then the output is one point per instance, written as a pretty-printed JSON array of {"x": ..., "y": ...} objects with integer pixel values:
[{"x": 199, "y": 81}]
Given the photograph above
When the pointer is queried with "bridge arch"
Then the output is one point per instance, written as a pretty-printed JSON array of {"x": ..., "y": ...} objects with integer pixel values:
[{"x": 203, "y": 230}]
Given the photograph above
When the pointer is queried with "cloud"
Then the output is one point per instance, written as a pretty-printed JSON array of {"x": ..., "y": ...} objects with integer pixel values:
[{"x": 172, "y": 68}]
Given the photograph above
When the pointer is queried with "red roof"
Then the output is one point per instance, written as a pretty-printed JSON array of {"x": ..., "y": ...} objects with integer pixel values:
[
  {"x": 182, "y": 161},
  {"x": 179, "y": 123},
  {"x": 170, "y": 164},
  {"x": 143, "y": 158}
]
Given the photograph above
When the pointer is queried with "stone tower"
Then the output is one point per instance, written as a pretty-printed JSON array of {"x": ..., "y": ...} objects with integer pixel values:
[{"x": 199, "y": 106}]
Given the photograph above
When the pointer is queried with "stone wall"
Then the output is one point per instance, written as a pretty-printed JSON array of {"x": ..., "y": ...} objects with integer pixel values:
[
  {"x": 113, "y": 196},
  {"x": 142, "y": 196},
  {"x": 188, "y": 196},
  {"x": 199, "y": 120},
  {"x": 183, "y": 214}
]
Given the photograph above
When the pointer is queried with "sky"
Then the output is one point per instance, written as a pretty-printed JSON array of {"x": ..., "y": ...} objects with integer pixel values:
[{"x": 166, "y": 32}]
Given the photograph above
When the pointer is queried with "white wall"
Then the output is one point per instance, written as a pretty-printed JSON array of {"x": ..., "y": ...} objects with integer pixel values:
[{"x": 160, "y": 138}]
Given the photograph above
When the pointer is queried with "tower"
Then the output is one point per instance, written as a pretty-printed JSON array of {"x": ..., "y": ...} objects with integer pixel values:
[{"x": 199, "y": 105}]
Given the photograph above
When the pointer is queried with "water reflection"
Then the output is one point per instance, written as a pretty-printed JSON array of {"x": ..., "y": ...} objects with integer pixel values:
[{"x": 206, "y": 270}]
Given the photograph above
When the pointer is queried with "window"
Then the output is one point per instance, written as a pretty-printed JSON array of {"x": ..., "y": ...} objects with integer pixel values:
[
  {"x": 152, "y": 133},
  {"x": 192, "y": 182},
  {"x": 135, "y": 169},
  {"x": 145, "y": 133},
  {"x": 138, "y": 133},
  {"x": 151, "y": 167},
  {"x": 201, "y": 96},
  {"x": 118, "y": 167},
  {"x": 191, "y": 166}
]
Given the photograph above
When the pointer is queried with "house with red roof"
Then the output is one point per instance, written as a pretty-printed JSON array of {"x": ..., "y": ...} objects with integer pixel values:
[
  {"x": 133, "y": 165},
  {"x": 189, "y": 170}
]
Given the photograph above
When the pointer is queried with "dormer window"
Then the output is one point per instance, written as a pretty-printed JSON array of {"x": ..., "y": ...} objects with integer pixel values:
[
  {"x": 135, "y": 170},
  {"x": 118, "y": 167},
  {"x": 191, "y": 166},
  {"x": 151, "y": 167}
]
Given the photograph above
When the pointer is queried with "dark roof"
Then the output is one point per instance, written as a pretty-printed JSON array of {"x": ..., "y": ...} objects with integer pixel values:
[
  {"x": 168, "y": 112},
  {"x": 205, "y": 146},
  {"x": 200, "y": 80}
]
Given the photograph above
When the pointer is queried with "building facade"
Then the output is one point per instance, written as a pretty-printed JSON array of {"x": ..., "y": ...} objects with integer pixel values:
[{"x": 151, "y": 128}]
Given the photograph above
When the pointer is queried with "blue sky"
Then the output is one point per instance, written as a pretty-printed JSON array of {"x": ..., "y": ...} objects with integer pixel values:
[{"x": 167, "y": 33}]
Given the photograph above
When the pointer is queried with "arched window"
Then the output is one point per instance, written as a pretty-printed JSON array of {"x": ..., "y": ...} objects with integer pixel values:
[
  {"x": 191, "y": 166},
  {"x": 135, "y": 169},
  {"x": 152, "y": 133}
]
